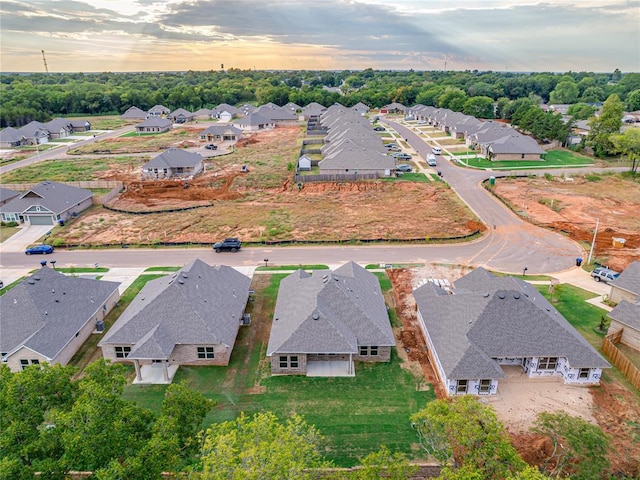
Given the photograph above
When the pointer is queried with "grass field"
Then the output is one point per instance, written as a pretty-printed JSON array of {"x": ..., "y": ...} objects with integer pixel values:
[
  {"x": 78, "y": 169},
  {"x": 356, "y": 414},
  {"x": 6, "y": 232},
  {"x": 553, "y": 158}
]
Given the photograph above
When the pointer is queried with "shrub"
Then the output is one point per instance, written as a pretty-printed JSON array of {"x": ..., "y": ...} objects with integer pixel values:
[
  {"x": 592, "y": 177},
  {"x": 548, "y": 177},
  {"x": 9, "y": 224}
]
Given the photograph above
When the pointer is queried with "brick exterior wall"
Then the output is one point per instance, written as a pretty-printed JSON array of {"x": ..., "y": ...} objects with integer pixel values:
[
  {"x": 181, "y": 355},
  {"x": 13, "y": 362},
  {"x": 384, "y": 355},
  {"x": 277, "y": 370}
]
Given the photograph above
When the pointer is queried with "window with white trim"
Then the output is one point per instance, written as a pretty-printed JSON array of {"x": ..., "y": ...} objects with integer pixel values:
[
  {"x": 205, "y": 352},
  {"x": 122, "y": 351},
  {"x": 583, "y": 373},
  {"x": 547, "y": 363},
  {"x": 24, "y": 363}
]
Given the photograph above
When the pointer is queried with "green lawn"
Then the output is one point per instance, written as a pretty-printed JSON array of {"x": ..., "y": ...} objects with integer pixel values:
[
  {"x": 273, "y": 268},
  {"x": 356, "y": 415},
  {"x": 162, "y": 269},
  {"x": 6, "y": 232},
  {"x": 553, "y": 159}
]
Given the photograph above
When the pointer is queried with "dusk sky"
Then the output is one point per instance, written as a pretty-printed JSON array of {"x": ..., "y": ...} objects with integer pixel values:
[{"x": 176, "y": 35}]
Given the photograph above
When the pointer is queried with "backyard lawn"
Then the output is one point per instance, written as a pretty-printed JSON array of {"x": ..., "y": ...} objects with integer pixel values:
[{"x": 356, "y": 415}]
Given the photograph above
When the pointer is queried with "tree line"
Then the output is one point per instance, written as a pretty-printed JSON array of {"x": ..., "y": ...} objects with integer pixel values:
[{"x": 53, "y": 424}]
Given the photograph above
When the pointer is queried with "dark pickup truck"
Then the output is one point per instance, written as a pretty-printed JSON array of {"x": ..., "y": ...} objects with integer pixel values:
[{"x": 228, "y": 244}]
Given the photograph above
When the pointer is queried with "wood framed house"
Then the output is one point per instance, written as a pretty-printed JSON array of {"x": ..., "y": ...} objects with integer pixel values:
[
  {"x": 191, "y": 317},
  {"x": 48, "y": 316},
  {"x": 324, "y": 321},
  {"x": 173, "y": 163},
  {"x": 487, "y": 324}
]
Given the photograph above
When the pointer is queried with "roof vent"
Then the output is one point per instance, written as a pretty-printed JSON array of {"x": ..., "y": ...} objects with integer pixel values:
[
  {"x": 184, "y": 275},
  {"x": 181, "y": 281},
  {"x": 36, "y": 277},
  {"x": 516, "y": 295},
  {"x": 501, "y": 295},
  {"x": 31, "y": 282},
  {"x": 57, "y": 301},
  {"x": 315, "y": 316},
  {"x": 486, "y": 295}
]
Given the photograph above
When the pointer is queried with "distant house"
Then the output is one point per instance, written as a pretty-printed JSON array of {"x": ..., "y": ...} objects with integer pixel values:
[
  {"x": 7, "y": 194},
  {"x": 34, "y": 133},
  {"x": 253, "y": 122},
  {"x": 48, "y": 316},
  {"x": 487, "y": 323},
  {"x": 202, "y": 114},
  {"x": 191, "y": 317},
  {"x": 627, "y": 285},
  {"x": 294, "y": 107},
  {"x": 325, "y": 320},
  {"x": 134, "y": 113},
  {"x": 312, "y": 110},
  {"x": 393, "y": 107},
  {"x": 154, "y": 125},
  {"x": 361, "y": 108},
  {"x": 221, "y": 133},
  {"x": 226, "y": 112},
  {"x": 512, "y": 147},
  {"x": 158, "y": 111},
  {"x": 46, "y": 204},
  {"x": 173, "y": 162},
  {"x": 277, "y": 115},
  {"x": 180, "y": 116},
  {"x": 11, "y": 138}
]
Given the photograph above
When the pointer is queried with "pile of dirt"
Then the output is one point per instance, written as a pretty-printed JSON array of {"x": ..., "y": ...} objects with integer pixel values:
[{"x": 243, "y": 142}]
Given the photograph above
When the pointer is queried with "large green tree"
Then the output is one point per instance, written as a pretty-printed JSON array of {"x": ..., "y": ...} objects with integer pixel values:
[
  {"x": 479, "y": 107},
  {"x": 261, "y": 448},
  {"x": 603, "y": 126},
  {"x": 628, "y": 144},
  {"x": 565, "y": 92},
  {"x": 467, "y": 436}
]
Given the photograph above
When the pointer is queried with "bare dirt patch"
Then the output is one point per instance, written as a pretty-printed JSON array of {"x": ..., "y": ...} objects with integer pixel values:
[
  {"x": 265, "y": 204},
  {"x": 573, "y": 206}
]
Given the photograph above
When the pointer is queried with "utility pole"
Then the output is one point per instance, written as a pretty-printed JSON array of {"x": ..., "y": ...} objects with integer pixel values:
[
  {"x": 595, "y": 232},
  {"x": 44, "y": 59}
]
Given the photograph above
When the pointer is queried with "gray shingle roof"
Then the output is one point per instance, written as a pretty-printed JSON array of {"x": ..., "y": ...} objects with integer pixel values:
[
  {"x": 220, "y": 130},
  {"x": 155, "y": 122},
  {"x": 199, "y": 305},
  {"x": 47, "y": 309},
  {"x": 174, "y": 158},
  {"x": 253, "y": 119},
  {"x": 627, "y": 313},
  {"x": 629, "y": 279},
  {"x": 11, "y": 135},
  {"x": 490, "y": 317},
  {"x": 329, "y": 312},
  {"x": 516, "y": 143},
  {"x": 134, "y": 113},
  {"x": 55, "y": 197},
  {"x": 7, "y": 194}
]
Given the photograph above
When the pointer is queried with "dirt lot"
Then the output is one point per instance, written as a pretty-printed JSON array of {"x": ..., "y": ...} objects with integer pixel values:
[
  {"x": 264, "y": 204},
  {"x": 573, "y": 207},
  {"x": 613, "y": 407}
]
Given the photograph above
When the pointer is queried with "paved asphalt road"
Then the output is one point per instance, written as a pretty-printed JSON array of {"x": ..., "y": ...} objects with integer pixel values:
[{"x": 510, "y": 246}]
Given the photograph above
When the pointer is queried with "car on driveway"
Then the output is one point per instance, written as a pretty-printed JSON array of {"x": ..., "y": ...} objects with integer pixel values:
[
  {"x": 603, "y": 274},
  {"x": 431, "y": 160},
  {"x": 211, "y": 146},
  {"x": 392, "y": 147},
  {"x": 39, "y": 249},
  {"x": 401, "y": 156},
  {"x": 379, "y": 129},
  {"x": 228, "y": 245},
  {"x": 403, "y": 167}
]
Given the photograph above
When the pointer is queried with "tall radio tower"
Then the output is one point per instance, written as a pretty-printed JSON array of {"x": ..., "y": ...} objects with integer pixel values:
[{"x": 44, "y": 59}]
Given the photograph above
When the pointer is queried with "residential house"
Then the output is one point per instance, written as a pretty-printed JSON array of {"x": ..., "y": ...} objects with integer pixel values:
[
  {"x": 627, "y": 285},
  {"x": 361, "y": 108},
  {"x": 393, "y": 107},
  {"x": 512, "y": 147},
  {"x": 625, "y": 318},
  {"x": 11, "y": 138},
  {"x": 7, "y": 194},
  {"x": 294, "y": 107},
  {"x": 154, "y": 125},
  {"x": 312, "y": 111},
  {"x": 180, "y": 116},
  {"x": 277, "y": 115},
  {"x": 253, "y": 122},
  {"x": 47, "y": 203},
  {"x": 221, "y": 133},
  {"x": 158, "y": 111},
  {"x": 226, "y": 112},
  {"x": 325, "y": 320},
  {"x": 134, "y": 113},
  {"x": 58, "y": 128},
  {"x": 34, "y": 133},
  {"x": 486, "y": 324},
  {"x": 191, "y": 317},
  {"x": 203, "y": 114},
  {"x": 173, "y": 162},
  {"x": 48, "y": 316}
]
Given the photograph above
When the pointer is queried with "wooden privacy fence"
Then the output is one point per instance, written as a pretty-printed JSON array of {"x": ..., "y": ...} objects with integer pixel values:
[
  {"x": 336, "y": 177},
  {"x": 628, "y": 369},
  {"x": 23, "y": 187}
]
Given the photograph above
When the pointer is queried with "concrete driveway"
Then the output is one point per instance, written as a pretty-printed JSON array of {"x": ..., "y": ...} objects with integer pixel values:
[{"x": 27, "y": 235}]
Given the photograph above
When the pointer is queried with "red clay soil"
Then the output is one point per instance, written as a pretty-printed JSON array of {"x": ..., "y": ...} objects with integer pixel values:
[{"x": 411, "y": 337}]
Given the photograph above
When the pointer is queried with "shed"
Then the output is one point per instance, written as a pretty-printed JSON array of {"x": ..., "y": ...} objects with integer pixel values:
[{"x": 304, "y": 163}]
